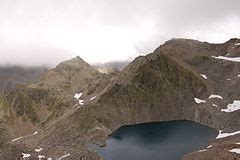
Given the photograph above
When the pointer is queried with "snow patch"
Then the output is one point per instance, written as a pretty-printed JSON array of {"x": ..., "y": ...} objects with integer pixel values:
[
  {"x": 214, "y": 105},
  {"x": 197, "y": 100},
  {"x": 77, "y": 95},
  {"x": 209, "y": 146},
  {"x": 81, "y": 102},
  {"x": 215, "y": 96},
  {"x": 232, "y": 59},
  {"x": 38, "y": 149},
  {"x": 235, "y": 150},
  {"x": 16, "y": 139},
  {"x": 202, "y": 150},
  {"x": 232, "y": 107},
  {"x": 237, "y": 44},
  {"x": 40, "y": 157},
  {"x": 93, "y": 98},
  {"x": 36, "y": 132},
  {"x": 223, "y": 135},
  {"x": 25, "y": 155},
  {"x": 204, "y": 76},
  {"x": 239, "y": 75},
  {"x": 67, "y": 155}
]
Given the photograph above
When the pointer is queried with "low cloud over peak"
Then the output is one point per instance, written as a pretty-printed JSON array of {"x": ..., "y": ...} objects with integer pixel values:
[{"x": 46, "y": 32}]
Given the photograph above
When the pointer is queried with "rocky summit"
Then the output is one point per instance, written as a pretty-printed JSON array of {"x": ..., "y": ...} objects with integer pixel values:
[{"x": 73, "y": 106}]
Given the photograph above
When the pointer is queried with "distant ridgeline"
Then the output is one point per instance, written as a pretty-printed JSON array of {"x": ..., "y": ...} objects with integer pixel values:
[{"x": 12, "y": 75}]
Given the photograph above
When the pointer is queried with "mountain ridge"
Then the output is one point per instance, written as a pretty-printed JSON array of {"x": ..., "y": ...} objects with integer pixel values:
[{"x": 160, "y": 86}]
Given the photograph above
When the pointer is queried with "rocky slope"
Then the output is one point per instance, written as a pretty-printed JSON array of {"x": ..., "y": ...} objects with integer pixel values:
[
  {"x": 37, "y": 104},
  {"x": 181, "y": 80}
]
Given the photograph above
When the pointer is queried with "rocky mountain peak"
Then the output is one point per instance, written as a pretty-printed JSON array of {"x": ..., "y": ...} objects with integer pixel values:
[
  {"x": 68, "y": 76},
  {"x": 53, "y": 94},
  {"x": 75, "y": 62},
  {"x": 182, "y": 41}
]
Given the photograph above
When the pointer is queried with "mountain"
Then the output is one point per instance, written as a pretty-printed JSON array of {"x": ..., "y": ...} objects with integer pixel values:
[
  {"x": 41, "y": 102},
  {"x": 182, "y": 79},
  {"x": 54, "y": 92},
  {"x": 12, "y": 75}
]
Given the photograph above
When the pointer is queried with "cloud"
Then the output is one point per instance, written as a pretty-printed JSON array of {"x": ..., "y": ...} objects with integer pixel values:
[{"x": 106, "y": 30}]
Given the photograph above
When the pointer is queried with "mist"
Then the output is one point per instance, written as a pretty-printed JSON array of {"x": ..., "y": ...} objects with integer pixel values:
[{"x": 45, "y": 32}]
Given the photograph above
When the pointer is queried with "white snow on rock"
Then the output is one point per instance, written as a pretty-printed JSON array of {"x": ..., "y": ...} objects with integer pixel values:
[
  {"x": 239, "y": 75},
  {"x": 16, "y": 139},
  {"x": 93, "y": 98},
  {"x": 214, "y": 105},
  {"x": 77, "y": 95},
  {"x": 235, "y": 150},
  {"x": 238, "y": 143},
  {"x": 237, "y": 44},
  {"x": 38, "y": 149},
  {"x": 36, "y": 132},
  {"x": 26, "y": 155},
  {"x": 204, "y": 76},
  {"x": 197, "y": 100},
  {"x": 40, "y": 157},
  {"x": 223, "y": 135},
  {"x": 202, "y": 150},
  {"x": 64, "y": 156},
  {"x": 232, "y": 107},
  {"x": 209, "y": 146},
  {"x": 215, "y": 96},
  {"x": 81, "y": 102},
  {"x": 233, "y": 59}
]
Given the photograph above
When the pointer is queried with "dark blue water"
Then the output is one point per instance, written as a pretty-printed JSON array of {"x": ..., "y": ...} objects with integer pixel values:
[{"x": 157, "y": 141}]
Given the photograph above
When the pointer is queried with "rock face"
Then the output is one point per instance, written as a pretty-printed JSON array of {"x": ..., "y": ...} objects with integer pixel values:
[
  {"x": 163, "y": 85},
  {"x": 181, "y": 80}
]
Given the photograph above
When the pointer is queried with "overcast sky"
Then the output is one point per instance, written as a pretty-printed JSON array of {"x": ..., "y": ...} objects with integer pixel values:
[{"x": 44, "y": 32}]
